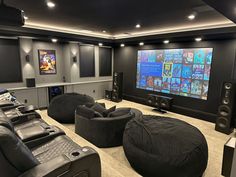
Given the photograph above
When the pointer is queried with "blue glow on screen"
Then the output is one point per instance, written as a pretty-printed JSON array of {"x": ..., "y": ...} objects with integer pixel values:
[{"x": 184, "y": 72}]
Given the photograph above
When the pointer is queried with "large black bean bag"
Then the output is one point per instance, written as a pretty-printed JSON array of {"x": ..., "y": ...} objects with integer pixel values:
[
  {"x": 62, "y": 108},
  {"x": 165, "y": 147}
]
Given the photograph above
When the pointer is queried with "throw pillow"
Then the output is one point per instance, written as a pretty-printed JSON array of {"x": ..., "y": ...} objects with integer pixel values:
[
  {"x": 119, "y": 112},
  {"x": 108, "y": 111},
  {"x": 85, "y": 112},
  {"x": 98, "y": 107},
  {"x": 97, "y": 114}
]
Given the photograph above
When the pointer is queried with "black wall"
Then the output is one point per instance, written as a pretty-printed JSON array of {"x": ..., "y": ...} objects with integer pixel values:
[
  {"x": 125, "y": 60},
  {"x": 10, "y": 64},
  {"x": 87, "y": 61}
]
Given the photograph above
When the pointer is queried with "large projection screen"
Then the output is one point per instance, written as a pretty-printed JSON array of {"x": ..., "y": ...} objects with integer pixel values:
[{"x": 184, "y": 72}]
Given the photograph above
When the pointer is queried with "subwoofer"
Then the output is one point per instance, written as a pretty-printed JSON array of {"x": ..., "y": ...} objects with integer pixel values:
[
  {"x": 117, "y": 91},
  {"x": 159, "y": 102},
  {"x": 226, "y": 110},
  {"x": 30, "y": 82},
  {"x": 228, "y": 157}
]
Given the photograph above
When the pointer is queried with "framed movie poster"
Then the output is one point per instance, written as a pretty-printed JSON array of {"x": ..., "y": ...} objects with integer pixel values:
[{"x": 47, "y": 62}]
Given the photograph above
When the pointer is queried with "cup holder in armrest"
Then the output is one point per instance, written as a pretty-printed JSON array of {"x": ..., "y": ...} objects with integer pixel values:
[
  {"x": 52, "y": 131},
  {"x": 75, "y": 153}
]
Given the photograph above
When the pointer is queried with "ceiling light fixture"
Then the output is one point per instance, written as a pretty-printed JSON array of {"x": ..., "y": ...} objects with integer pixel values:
[
  {"x": 138, "y": 26},
  {"x": 54, "y": 40},
  {"x": 191, "y": 16},
  {"x": 198, "y": 39},
  {"x": 122, "y": 45},
  {"x": 100, "y": 44},
  {"x": 141, "y": 43},
  {"x": 51, "y": 4},
  {"x": 104, "y": 31},
  {"x": 166, "y": 41}
]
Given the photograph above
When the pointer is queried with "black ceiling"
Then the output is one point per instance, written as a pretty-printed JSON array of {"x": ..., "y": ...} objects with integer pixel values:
[
  {"x": 226, "y": 7},
  {"x": 118, "y": 16}
]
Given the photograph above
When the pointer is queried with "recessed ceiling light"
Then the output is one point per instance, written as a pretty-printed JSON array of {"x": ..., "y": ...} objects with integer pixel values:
[
  {"x": 122, "y": 45},
  {"x": 138, "y": 26},
  {"x": 141, "y": 43},
  {"x": 166, "y": 41},
  {"x": 198, "y": 39},
  {"x": 191, "y": 16},
  {"x": 51, "y": 4},
  {"x": 26, "y": 18},
  {"x": 104, "y": 31},
  {"x": 54, "y": 40},
  {"x": 100, "y": 44}
]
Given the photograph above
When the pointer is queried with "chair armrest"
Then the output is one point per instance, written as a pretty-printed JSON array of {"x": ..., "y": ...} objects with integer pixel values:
[
  {"x": 55, "y": 166},
  {"x": 31, "y": 133},
  {"x": 81, "y": 161}
]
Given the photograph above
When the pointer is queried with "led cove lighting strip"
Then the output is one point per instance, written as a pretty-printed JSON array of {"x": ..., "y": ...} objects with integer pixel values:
[{"x": 135, "y": 34}]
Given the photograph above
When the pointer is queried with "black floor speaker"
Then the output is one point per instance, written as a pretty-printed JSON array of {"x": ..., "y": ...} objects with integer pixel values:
[
  {"x": 159, "y": 102},
  {"x": 226, "y": 110},
  {"x": 117, "y": 91}
]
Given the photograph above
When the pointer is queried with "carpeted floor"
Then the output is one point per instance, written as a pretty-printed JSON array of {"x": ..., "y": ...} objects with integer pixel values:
[{"x": 214, "y": 139}]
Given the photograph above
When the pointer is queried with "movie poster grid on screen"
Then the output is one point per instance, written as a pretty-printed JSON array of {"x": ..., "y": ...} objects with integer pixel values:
[{"x": 184, "y": 72}]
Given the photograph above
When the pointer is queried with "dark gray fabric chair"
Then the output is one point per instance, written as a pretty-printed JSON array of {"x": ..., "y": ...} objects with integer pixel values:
[
  {"x": 62, "y": 108},
  {"x": 165, "y": 147},
  {"x": 103, "y": 132}
]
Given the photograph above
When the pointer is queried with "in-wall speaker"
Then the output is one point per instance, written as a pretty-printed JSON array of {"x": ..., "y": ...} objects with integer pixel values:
[
  {"x": 30, "y": 82},
  {"x": 226, "y": 110},
  {"x": 117, "y": 90},
  {"x": 159, "y": 102},
  {"x": 108, "y": 94}
]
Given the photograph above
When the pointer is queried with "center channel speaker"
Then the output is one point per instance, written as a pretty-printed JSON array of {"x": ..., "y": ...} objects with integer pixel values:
[
  {"x": 226, "y": 110},
  {"x": 117, "y": 91},
  {"x": 159, "y": 102}
]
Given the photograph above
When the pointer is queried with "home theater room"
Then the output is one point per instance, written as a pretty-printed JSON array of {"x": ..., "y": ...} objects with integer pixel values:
[{"x": 112, "y": 88}]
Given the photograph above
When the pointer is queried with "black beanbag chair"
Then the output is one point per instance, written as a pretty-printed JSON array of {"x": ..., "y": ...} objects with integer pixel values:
[
  {"x": 62, "y": 108},
  {"x": 165, "y": 147}
]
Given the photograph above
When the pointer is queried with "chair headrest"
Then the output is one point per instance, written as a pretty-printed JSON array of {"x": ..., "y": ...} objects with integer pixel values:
[{"x": 15, "y": 151}]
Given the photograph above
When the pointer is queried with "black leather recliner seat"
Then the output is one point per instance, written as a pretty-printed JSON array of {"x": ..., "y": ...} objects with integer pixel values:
[
  {"x": 165, "y": 147},
  {"x": 7, "y": 100},
  {"x": 20, "y": 114},
  {"x": 32, "y": 132},
  {"x": 58, "y": 157},
  {"x": 103, "y": 130},
  {"x": 62, "y": 108}
]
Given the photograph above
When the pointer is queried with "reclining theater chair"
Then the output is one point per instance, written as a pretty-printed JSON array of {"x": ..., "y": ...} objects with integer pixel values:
[{"x": 58, "y": 157}]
